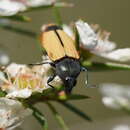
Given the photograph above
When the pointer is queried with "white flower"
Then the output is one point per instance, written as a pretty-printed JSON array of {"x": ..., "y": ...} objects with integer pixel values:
[
  {"x": 13, "y": 69},
  {"x": 121, "y": 127},
  {"x": 4, "y": 58},
  {"x": 46, "y": 70},
  {"x": 116, "y": 102},
  {"x": 12, "y": 113},
  {"x": 118, "y": 55},
  {"x": 21, "y": 93},
  {"x": 99, "y": 44},
  {"x": 35, "y": 3},
  {"x": 10, "y": 7},
  {"x": 22, "y": 81},
  {"x": 115, "y": 96},
  {"x": 87, "y": 35},
  {"x": 68, "y": 30}
]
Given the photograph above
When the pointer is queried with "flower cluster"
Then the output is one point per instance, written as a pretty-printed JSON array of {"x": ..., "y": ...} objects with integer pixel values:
[
  {"x": 116, "y": 96},
  {"x": 12, "y": 7},
  {"x": 12, "y": 113},
  {"x": 21, "y": 81},
  {"x": 97, "y": 42}
]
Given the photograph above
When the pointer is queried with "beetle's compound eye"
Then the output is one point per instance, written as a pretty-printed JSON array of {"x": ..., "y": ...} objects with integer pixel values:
[
  {"x": 71, "y": 81},
  {"x": 68, "y": 78}
]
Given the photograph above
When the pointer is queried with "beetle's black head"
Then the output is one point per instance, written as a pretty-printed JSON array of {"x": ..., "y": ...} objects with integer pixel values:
[
  {"x": 69, "y": 82},
  {"x": 68, "y": 70}
]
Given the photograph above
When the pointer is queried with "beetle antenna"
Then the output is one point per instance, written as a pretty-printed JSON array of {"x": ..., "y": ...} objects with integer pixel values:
[
  {"x": 83, "y": 69},
  {"x": 50, "y": 63}
]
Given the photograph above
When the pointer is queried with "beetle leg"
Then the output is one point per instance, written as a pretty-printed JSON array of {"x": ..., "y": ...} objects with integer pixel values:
[
  {"x": 50, "y": 63},
  {"x": 50, "y": 79},
  {"x": 83, "y": 69}
]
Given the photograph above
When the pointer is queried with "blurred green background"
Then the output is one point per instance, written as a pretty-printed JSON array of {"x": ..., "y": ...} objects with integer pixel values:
[{"x": 112, "y": 15}]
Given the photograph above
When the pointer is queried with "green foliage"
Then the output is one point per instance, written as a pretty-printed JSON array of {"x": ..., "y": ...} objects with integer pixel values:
[
  {"x": 2, "y": 93},
  {"x": 57, "y": 116},
  {"x": 76, "y": 111},
  {"x": 107, "y": 66},
  {"x": 40, "y": 117},
  {"x": 18, "y": 18}
]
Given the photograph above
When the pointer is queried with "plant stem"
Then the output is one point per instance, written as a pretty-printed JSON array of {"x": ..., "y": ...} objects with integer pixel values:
[
  {"x": 57, "y": 116},
  {"x": 40, "y": 117}
]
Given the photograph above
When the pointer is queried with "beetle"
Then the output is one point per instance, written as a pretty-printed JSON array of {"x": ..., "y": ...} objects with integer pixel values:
[{"x": 61, "y": 50}]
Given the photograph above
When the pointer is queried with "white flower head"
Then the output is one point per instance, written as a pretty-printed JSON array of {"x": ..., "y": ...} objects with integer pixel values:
[
  {"x": 121, "y": 127},
  {"x": 68, "y": 30},
  {"x": 35, "y": 3},
  {"x": 97, "y": 42},
  {"x": 12, "y": 113},
  {"x": 13, "y": 69},
  {"x": 10, "y": 7},
  {"x": 115, "y": 96},
  {"x": 118, "y": 55},
  {"x": 88, "y": 36},
  {"x": 4, "y": 58},
  {"x": 46, "y": 70},
  {"x": 22, "y": 81}
]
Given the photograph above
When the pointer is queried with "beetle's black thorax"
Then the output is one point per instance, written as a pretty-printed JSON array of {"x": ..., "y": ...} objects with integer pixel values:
[
  {"x": 68, "y": 67},
  {"x": 68, "y": 70}
]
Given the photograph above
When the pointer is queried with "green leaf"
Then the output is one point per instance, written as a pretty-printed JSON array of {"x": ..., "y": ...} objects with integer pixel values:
[
  {"x": 71, "y": 97},
  {"x": 19, "y": 30},
  {"x": 57, "y": 16},
  {"x": 98, "y": 66},
  {"x": 52, "y": 95},
  {"x": 77, "y": 39},
  {"x": 76, "y": 111},
  {"x": 126, "y": 109},
  {"x": 58, "y": 4},
  {"x": 40, "y": 117},
  {"x": 57, "y": 116},
  {"x": 18, "y": 17},
  {"x": 2, "y": 93}
]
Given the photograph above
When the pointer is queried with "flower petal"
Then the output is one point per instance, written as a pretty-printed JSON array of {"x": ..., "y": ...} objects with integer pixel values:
[
  {"x": 115, "y": 95},
  {"x": 121, "y": 127},
  {"x": 12, "y": 113},
  {"x": 35, "y": 3},
  {"x": 8, "y": 7},
  {"x": 68, "y": 30},
  {"x": 20, "y": 93},
  {"x": 121, "y": 55},
  {"x": 103, "y": 46},
  {"x": 87, "y": 35},
  {"x": 4, "y": 58},
  {"x": 116, "y": 103},
  {"x": 110, "y": 102},
  {"x": 13, "y": 69},
  {"x": 115, "y": 90},
  {"x": 95, "y": 42}
]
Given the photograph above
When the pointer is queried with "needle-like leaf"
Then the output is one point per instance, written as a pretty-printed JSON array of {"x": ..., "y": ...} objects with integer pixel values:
[
  {"x": 58, "y": 4},
  {"x": 19, "y": 30},
  {"x": 76, "y": 111},
  {"x": 18, "y": 17},
  {"x": 40, "y": 117},
  {"x": 98, "y": 66},
  {"x": 57, "y": 116}
]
